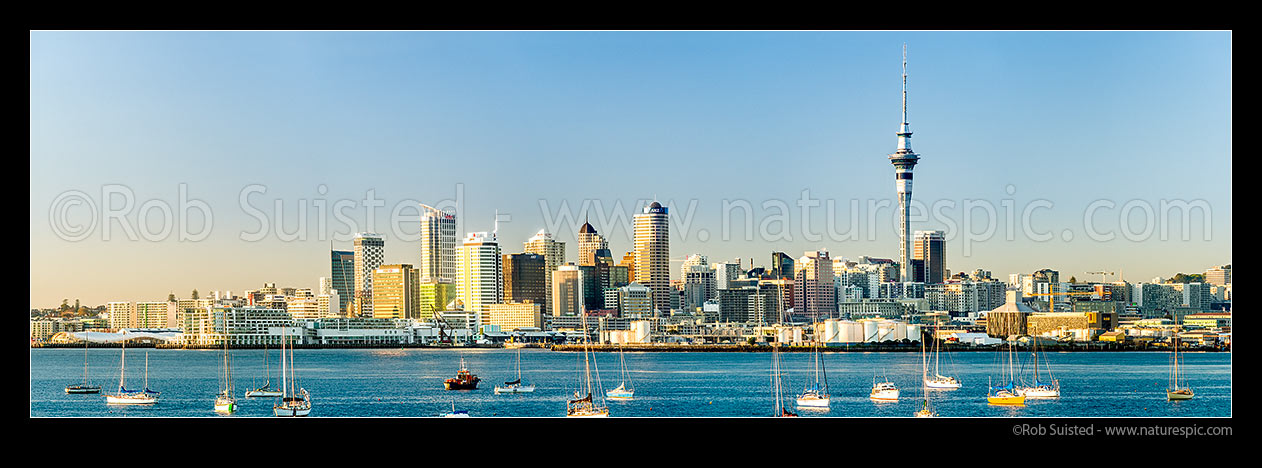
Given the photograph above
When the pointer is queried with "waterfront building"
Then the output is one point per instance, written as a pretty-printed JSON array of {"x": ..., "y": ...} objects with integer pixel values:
[
  {"x": 930, "y": 250},
  {"x": 242, "y": 326},
  {"x": 396, "y": 292},
  {"x": 438, "y": 245},
  {"x": 369, "y": 253},
  {"x": 306, "y": 305},
  {"x": 553, "y": 253},
  {"x": 514, "y": 315},
  {"x": 343, "y": 278},
  {"x": 479, "y": 273},
  {"x": 1008, "y": 319},
  {"x": 815, "y": 293},
  {"x": 652, "y": 253},
  {"x": 871, "y": 308},
  {"x": 589, "y": 242}
]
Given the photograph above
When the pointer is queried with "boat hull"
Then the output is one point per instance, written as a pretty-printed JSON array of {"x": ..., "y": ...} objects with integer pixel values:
[
  {"x": 813, "y": 402},
  {"x": 942, "y": 384},
  {"x": 1174, "y": 395},
  {"x": 926, "y": 414},
  {"x": 1040, "y": 393},
  {"x": 521, "y": 389},
  {"x": 291, "y": 412},
  {"x": 452, "y": 384},
  {"x": 264, "y": 394},
  {"x": 225, "y": 406},
  {"x": 588, "y": 414},
  {"x": 617, "y": 395},
  {"x": 82, "y": 389},
  {"x": 130, "y": 400},
  {"x": 1006, "y": 400}
]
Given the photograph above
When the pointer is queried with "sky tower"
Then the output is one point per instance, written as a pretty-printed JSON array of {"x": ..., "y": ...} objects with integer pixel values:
[{"x": 904, "y": 160}]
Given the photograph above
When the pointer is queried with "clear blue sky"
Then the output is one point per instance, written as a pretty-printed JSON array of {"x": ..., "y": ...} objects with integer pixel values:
[{"x": 520, "y": 120}]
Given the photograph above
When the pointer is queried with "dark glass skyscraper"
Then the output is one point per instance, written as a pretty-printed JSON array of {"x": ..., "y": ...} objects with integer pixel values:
[{"x": 343, "y": 277}]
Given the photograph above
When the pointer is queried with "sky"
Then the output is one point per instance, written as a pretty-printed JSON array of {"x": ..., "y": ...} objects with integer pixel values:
[{"x": 1076, "y": 151}]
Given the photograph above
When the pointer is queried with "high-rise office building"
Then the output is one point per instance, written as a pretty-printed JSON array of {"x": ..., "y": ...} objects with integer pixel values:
[
  {"x": 814, "y": 295},
  {"x": 930, "y": 249},
  {"x": 904, "y": 160},
  {"x": 589, "y": 241},
  {"x": 652, "y": 253},
  {"x": 343, "y": 278},
  {"x": 479, "y": 273},
  {"x": 567, "y": 291},
  {"x": 525, "y": 278},
  {"x": 396, "y": 292},
  {"x": 628, "y": 262},
  {"x": 781, "y": 265},
  {"x": 369, "y": 253},
  {"x": 438, "y": 245},
  {"x": 553, "y": 253}
]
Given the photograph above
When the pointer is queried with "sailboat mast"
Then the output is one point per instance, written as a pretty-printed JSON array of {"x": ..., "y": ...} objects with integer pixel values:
[{"x": 122, "y": 369}]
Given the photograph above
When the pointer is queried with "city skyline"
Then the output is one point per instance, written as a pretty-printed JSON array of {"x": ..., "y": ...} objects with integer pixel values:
[{"x": 707, "y": 119}]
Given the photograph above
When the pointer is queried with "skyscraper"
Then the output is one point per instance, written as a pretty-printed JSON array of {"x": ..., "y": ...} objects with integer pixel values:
[
  {"x": 438, "y": 245},
  {"x": 930, "y": 249},
  {"x": 814, "y": 293},
  {"x": 553, "y": 253},
  {"x": 479, "y": 273},
  {"x": 781, "y": 265},
  {"x": 343, "y": 278},
  {"x": 567, "y": 291},
  {"x": 652, "y": 253},
  {"x": 589, "y": 241},
  {"x": 369, "y": 252},
  {"x": 904, "y": 160},
  {"x": 524, "y": 279},
  {"x": 396, "y": 292}
]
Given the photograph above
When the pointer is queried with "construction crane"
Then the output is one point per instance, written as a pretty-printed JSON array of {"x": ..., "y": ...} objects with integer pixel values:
[
  {"x": 1101, "y": 273},
  {"x": 1051, "y": 301}
]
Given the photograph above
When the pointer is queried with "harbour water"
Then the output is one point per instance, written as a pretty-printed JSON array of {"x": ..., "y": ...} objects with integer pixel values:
[{"x": 409, "y": 383}]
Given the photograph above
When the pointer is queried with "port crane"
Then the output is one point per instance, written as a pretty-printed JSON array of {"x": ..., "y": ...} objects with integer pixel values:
[{"x": 1101, "y": 273}]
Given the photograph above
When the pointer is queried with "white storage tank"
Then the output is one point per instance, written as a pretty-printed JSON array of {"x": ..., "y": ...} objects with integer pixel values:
[
  {"x": 784, "y": 335},
  {"x": 640, "y": 331},
  {"x": 852, "y": 331},
  {"x": 871, "y": 331},
  {"x": 913, "y": 331},
  {"x": 831, "y": 331},
  {"x": 797, "y": 335}
]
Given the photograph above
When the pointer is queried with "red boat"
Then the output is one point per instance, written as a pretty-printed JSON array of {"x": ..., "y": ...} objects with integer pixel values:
[{"x": 464, "y": 379}]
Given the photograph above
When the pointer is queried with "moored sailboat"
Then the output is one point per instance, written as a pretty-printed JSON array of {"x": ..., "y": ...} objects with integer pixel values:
[
  {"x": 939, "y": 381},
  {"x": 84, "y": 387},
  {"x": 225, "y": 401},
  {"x": 516, "y": 386},
  {"x": 1040, "y": 389},
  {"x": 815, "y": 395},
  {"x": 584, "y": 406},
  {"x": 294, "y": 401},
  {"x": 1005, "y": 395},
  {"x": 1177, "y": 391},
  {"x": 625, "y": 390},
  {"x": 925, "y": 411},
  {"x": 266, "y": 390},
  {"x": 132, "y": 397}
]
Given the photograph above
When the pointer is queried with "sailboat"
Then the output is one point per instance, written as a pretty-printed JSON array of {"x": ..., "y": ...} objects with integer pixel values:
[
  {"x": 1006, "y": 395},
  {"x": 515, "y": 386},
  {"x": 132, "y": 397},
  {"x": 1175, "y": 391},
  {"x": 776, "y": 375},
  {"x": 454, "y": 413},
  {"x": 225, "y": 402},
  {"x": 294, "y": 402},
  {"x": 815, "y": 395},
  {"x": 938, "y": 380},
  {"x": 583, "y": 406},
  {"x": 1040, "y": 389},
  {"x": 266, "y": 390},
  {"x": 84, "y": 387},
  {"x": 925, "y": 411},
  {"x": 624, "y": 390}
]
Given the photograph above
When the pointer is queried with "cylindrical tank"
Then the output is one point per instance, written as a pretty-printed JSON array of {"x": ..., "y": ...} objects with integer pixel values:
[
  {"x": 641, "y": 331},
  {"x": 830, "y": 331},
  {"x": 853, "y": 332},
  {"x": 913, "y": 331},
  {"x": 784, "y": 335},
  {"x": 871, "y": 331},
  {"x": 797, "y": 335}
]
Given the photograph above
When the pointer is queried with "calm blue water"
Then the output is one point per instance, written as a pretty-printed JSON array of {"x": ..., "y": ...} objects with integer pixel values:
[{"x": 409, "y": 383}]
